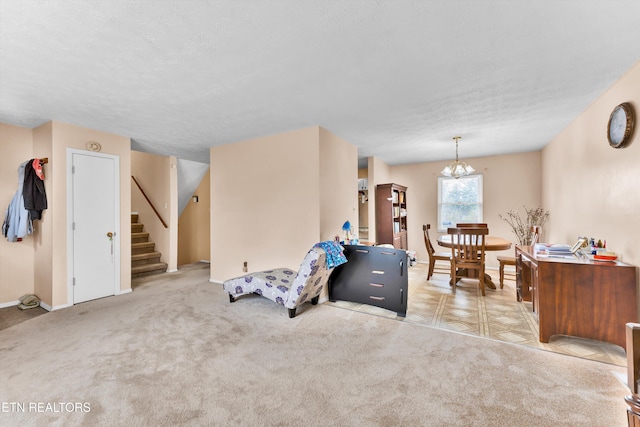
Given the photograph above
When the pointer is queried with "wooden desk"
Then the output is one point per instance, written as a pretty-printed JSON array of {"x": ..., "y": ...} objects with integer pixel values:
[
  {"x": 578, "y": 296},
  {"x": 491, "y": 243}
]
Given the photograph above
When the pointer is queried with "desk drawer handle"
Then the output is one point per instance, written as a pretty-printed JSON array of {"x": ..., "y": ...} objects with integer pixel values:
[
  {"x": 376, "y": 298},
  {"x": 376, "y": 285},
  {"x": 377, "y": 272}
]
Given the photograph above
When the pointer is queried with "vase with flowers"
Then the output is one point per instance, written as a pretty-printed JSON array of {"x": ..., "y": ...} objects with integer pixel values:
[{"x": 521, "y": 225}]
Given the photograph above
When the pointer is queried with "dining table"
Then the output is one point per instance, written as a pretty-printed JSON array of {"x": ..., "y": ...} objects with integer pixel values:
[{"x": 491, "y": 243}]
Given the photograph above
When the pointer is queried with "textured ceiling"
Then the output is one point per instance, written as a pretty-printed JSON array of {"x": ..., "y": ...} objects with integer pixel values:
[{"x": 396, "y": 78}]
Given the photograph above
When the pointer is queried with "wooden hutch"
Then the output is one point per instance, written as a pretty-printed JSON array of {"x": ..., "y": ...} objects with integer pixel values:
[{"x": 391, "y": 215}]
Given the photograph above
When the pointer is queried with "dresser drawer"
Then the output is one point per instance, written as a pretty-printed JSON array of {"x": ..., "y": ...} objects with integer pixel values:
[{"x": 373, "y": 275}]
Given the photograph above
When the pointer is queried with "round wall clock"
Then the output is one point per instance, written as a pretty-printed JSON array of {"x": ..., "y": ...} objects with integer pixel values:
[{"x": 620, "y": 126}]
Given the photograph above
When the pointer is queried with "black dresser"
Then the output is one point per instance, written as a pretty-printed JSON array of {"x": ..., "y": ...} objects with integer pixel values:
[{"x": 373, "y": 275}]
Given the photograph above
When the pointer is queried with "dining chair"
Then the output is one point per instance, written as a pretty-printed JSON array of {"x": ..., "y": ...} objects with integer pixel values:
[
  {"x": 434, "y": 256},
  {"x": 471, "y": 224},
  {"x": 509, "y": 260},
  {"x": 467, "y": 253}
]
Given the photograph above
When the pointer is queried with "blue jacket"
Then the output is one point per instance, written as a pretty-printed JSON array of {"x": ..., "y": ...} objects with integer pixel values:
[{"x": 16, "y": 220}]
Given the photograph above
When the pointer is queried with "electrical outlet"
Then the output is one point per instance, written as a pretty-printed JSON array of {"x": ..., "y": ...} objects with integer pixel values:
[{"x": 244, "y": 267}]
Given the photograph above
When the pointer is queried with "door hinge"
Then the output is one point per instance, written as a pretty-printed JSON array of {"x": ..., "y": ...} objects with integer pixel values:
[
  {"x": 74, "y": 281},
  {"x": 73, "y": 169},
  {"x": 73, "y": 226}
]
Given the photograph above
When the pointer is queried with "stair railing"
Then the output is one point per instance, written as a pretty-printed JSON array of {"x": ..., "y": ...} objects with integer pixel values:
[{"x": 149, "y": 201}]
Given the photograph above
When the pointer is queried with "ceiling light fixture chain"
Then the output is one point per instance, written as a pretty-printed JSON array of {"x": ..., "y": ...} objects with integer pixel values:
[{"x": 457, "y": 168}]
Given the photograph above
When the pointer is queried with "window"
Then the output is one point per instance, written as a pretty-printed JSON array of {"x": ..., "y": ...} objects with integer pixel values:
[{"x": 459, "y": 200}]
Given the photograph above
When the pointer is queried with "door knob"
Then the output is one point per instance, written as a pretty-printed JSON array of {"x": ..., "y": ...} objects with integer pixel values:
[{"x": 109, "y": 234}]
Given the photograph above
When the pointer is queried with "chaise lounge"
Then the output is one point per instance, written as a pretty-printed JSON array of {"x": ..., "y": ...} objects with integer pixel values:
[{"x": 288, "y": 287}]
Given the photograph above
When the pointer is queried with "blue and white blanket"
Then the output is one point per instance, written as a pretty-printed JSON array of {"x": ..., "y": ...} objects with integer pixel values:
[{"x": 335, "y": 254}]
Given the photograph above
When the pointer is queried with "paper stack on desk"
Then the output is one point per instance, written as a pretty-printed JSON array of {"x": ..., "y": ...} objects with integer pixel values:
[
  {"x": 559, "y": 250},
  {"x": 555, "y": 249}
]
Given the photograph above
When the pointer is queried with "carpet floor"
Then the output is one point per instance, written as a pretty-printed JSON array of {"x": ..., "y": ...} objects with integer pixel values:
[{"x": 176, "y": 352}]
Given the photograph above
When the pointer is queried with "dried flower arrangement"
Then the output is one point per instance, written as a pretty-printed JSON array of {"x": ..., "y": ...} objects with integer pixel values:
[{"x": 521, "y": 227}]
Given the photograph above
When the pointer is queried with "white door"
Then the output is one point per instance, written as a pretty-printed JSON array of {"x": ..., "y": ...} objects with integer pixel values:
[{"x": 95, "y": 225}]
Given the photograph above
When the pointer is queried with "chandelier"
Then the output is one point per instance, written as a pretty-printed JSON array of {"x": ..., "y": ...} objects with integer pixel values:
[{"x": 457, "y": 169}]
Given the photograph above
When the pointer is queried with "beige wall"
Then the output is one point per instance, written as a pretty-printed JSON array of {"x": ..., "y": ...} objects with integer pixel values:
[
  {"x": 157, "y": 175},
  {"x": 45, "y": 268},
  {"x": 338, "y": 185},
  {"x": 510, "y": 182},
  {"x": 590, "y": 188},
  {"x": 265, "y": 204},
  {"x": 194, "y": 228},
  {"x": 16, "y": 259},
  {"x": 272, "y": 198}
]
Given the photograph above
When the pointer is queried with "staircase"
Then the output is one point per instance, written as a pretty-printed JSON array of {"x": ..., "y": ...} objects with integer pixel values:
[{"x": 145, "y": 261}]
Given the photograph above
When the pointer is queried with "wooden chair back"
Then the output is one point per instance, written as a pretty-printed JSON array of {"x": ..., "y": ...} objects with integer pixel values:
[
  {"x": 471, "y": 224},
  {"x": 434, "y": 256},
  {"x": 427, "y": 241},
  {"x": 468, "y": 244},
  {"x": 468, "y": 251}
]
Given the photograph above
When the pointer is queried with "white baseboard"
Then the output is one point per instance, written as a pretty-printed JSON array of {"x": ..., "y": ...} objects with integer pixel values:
[
  {"x": 206, "y": 261},
  {"x": 9, "y": 304},
  {"x": 60, "y": 307},
  {"x": 216, "y": 281},
  {"x": 172, "y": 271},
  {"x": 55, "y": 308}
]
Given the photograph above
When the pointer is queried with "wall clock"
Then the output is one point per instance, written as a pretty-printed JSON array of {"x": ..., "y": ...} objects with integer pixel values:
[{"x": 620, "y": 126}]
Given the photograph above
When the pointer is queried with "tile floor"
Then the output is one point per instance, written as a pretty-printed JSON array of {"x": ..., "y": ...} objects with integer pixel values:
[{"x": 496, "y": 316}]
